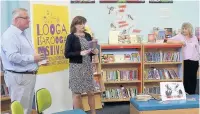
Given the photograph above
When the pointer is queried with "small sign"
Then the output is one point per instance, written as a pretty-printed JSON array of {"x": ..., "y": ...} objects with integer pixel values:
[{"x": 172, "y": 91}]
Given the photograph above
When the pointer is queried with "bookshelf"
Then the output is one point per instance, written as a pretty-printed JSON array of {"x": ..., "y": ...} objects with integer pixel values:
[
  {"x": 161, "y": 63},
  {"x": 121, "y": 71},
  {"x": 99, "y": 86},
  {"x": 5, "y": 99}
]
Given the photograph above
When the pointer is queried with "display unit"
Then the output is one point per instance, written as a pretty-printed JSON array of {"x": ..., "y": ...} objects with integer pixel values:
[
  {"x": 161, "y": 63},
  {"x": 122, "y": 71}
]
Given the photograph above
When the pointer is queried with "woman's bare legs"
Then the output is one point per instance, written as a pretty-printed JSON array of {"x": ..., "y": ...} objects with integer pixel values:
[
  {"x": 77, "y": 102},
  {"x": 91, "y": 102}
]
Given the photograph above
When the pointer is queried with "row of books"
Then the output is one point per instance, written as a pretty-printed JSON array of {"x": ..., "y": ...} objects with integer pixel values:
[
  {"x": 160, "y": 73},
  {"x": 151, "y": 90},
  {"x": 119, "y": 93},
  {"x": 111, "y": 58},
  {"x": 162, "y": 56},
  {"x": 4, "y": 90},
  {"x": 121, "y": 75}
]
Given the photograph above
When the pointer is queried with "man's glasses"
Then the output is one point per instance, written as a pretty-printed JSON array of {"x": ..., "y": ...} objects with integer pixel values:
[{"x": 24, "y": 17}]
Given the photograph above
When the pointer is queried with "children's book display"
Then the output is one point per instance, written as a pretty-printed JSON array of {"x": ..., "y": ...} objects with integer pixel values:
[
  {"x": 126, "y": 57},
  {"x": 162, "y": 63},
  {"x": 160, "y": 74},
  {"x": 119, "y": 93},
  {"x": 172, "y": 91},
  {"x": 121, "y": 69},
  {"x": 121, "y": 75},
  {"x": 124, "y": 69},
  {"x": 157, "y": 35},
  {"x": 161, "y": 56}
]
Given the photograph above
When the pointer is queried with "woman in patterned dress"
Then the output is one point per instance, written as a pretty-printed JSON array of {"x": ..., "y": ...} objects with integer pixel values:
[{"x": 80, "y": 58}]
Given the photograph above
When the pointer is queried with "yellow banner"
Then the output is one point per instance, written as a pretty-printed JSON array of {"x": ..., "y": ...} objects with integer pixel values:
[{"x": 50, "y": 30}]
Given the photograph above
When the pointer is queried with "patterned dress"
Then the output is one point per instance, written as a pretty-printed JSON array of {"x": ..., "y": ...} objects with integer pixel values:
[{"x": 81, "y": 74}]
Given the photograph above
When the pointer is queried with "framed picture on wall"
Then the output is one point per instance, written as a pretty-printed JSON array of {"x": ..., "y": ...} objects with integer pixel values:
[
  {"x": 82, "y": 1},
  {"x": 160, "y": 1},
  {"x": 122, "y": 1}
]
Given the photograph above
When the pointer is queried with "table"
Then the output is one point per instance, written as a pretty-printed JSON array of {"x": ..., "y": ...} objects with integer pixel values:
[{"x": 189, "y": 106}]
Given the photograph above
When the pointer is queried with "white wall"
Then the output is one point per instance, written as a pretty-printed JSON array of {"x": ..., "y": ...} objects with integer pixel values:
[
  {"x": 57, "y": 83},
  {"x": 146, "y": 15}
]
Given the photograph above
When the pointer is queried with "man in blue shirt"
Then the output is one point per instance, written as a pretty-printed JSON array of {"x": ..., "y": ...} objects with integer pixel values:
[{"x": 20, "y": 62}]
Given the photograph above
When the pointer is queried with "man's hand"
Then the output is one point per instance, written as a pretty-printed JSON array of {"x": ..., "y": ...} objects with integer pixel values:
[{"x": 39, "y": 57}]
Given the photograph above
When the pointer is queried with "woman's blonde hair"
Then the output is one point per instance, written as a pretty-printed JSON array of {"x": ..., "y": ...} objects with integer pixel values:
[{"x": 187, "y": 26}]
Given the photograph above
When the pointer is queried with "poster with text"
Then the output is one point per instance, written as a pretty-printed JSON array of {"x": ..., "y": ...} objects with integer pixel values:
[
  {"x": 50, "y": 27},
  {"x": 172, "y": 91}
]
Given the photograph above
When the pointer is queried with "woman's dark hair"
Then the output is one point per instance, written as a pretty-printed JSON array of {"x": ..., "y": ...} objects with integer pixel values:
[{"x": 77, "y": 20}]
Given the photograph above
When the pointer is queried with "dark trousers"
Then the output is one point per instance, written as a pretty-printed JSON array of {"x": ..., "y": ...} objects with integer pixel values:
[{"x": 190, "y": 76}]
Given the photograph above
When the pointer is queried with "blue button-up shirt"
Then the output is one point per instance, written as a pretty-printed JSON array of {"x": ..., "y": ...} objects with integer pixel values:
[{"x": 17, "y": 51}]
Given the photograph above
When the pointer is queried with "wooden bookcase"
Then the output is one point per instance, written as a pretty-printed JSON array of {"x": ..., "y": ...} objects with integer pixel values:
[
  {"x": 5, "y": 100},
  {"x": 120, "y": 87},
  {"x": 166, "y": 60},
  {"x": 141, "y": 82}
]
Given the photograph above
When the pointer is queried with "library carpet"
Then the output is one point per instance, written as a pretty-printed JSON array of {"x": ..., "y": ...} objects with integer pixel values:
[{"x": 114, "y": 108}]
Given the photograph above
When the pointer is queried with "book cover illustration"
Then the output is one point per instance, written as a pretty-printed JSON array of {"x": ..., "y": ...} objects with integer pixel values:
[
  {"x": 168, "y": 32},
  {"x": 151, "y": 38},
  {"x": 161, "y": 35},
  {"x": 93, "y": 44},
  {"x": 172, "y": 91},
  {"x": 124, "y": 39}
]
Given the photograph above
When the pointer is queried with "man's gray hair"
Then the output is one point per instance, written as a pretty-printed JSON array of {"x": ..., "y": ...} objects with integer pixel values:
[{"x": 16, "y": 12}]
